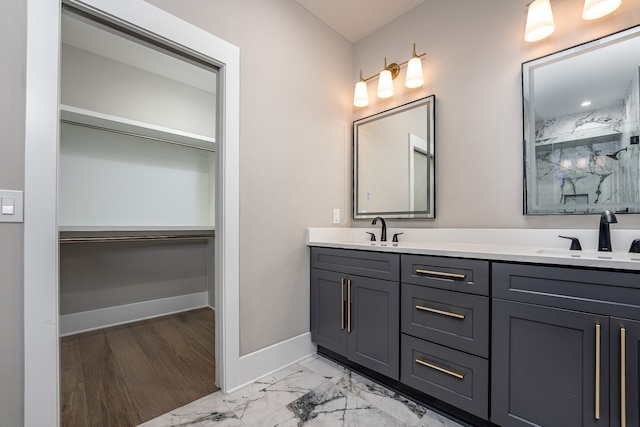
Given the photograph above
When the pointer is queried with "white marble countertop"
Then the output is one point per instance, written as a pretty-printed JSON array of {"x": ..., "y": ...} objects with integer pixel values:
[{"x": 541, "y": 246}]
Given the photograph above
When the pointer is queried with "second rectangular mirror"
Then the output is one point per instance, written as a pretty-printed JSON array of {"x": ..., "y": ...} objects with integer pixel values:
[
  {"x": 394, "y": 162},
  {"x": 581, "y": 128}
]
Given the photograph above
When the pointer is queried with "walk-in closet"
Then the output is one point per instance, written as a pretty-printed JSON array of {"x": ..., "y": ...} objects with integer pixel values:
[{"x": 136, "y": 215}]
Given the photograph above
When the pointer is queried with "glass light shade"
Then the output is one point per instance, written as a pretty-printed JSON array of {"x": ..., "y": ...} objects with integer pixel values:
[
  {"x": 539, "y": 21},
  {"x": 361, "y": 95},
  {"x": 385, "y": 85},
  {"x": 594, "y": 9},
  {"x": 414, "y": 73}
]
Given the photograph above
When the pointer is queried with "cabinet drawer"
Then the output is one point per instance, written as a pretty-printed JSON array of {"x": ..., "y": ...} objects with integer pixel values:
[
  {"x": 457, "y": 378},
  {"x": 450, "y": 318},
  {"x": 455, "y": 274},
  {"x": 378, "y": 265},
  {"x": 595, "y": 291}
]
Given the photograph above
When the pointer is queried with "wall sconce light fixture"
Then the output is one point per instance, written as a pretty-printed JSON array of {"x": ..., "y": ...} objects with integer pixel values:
[
  {"x": 540, "y": 18},
  {"x": 414, "y": 78},
  {"x": 539, "y": 21},
  {"x": 594, "y": 9}
]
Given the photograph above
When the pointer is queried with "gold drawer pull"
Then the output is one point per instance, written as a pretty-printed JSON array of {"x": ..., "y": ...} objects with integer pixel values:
[
  {"x": 623, "y": 385},
  {"x": 444, "y": 313},
  {"x": 442, "y": 274},
  {"x": 456, "y": 374},
  {"x": 342, "y": 302},
  {"x": 349, "y": 305},
  {"x": 597, "y": 414}
]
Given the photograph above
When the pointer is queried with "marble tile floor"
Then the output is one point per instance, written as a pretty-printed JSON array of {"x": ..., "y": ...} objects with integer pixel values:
[{"x": 312, "y": 392}]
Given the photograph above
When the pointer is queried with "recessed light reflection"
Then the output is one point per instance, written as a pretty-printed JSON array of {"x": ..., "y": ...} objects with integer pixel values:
[
  {"x": 586, "y": 103},
  {"x": 582, "y": 163}
]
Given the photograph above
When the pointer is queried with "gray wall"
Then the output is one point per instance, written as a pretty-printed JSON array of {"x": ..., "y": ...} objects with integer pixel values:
[
  {"x": 101, "y": 275},
  {"x": 295, "y": 142},
  {"x": 473, "y": 65},
  {"x": 125, "y": 91},
  {"x": 13, "y": 28}
]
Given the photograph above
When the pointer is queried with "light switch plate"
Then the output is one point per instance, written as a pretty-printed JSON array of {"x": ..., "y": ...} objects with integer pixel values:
[
  {"x": 336, "y": 216},
  {"x": 11, "y": 201},
  {"x": 8, "y": 206}
]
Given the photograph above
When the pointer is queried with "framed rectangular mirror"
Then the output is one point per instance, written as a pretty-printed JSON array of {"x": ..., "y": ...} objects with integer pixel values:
[
  {"x": 394, "y": 162},
  {"x": 581, "y": 151}
]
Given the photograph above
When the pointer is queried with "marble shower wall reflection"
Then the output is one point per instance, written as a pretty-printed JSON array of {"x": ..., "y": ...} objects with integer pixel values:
[
  {"x": 631, "y": 177},
  {"x": 576, "y": 177},
  {"x": 585, "y": 162}
]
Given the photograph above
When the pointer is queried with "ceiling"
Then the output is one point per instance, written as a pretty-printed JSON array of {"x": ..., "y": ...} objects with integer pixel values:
[
  {"x": 355, "y": 19},
  {"x": 600, "y": 72}
]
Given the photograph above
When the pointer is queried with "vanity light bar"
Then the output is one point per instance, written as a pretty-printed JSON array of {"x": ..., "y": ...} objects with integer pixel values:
[{"x": 414, "y": 78}]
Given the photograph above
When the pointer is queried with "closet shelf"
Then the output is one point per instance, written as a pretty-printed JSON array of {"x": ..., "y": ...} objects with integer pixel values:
[
  {"x": 129, "y": 234},
  {"x": 106, "y": 122},
  {"x": 133, "y": 228}
]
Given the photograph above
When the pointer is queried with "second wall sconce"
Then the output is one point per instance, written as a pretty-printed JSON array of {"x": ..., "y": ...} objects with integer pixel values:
[
  {"x": 414, "y": 78},
  {"x": 540, "y": 18}
]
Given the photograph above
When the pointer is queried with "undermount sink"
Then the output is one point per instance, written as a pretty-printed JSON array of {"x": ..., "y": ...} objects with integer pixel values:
[{"x": 592, "y": 254}]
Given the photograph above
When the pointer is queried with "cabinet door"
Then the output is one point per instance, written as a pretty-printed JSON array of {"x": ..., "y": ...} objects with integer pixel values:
[
  {"x": 328, "y": 305},
  {"x": 549, "y": 367},
  {"x": 625, "y": 380},
  {"x": 374, "y": 340}
]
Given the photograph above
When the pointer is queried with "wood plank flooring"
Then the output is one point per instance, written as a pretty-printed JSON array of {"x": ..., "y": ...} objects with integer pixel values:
[{"x": 129, "y": 374}]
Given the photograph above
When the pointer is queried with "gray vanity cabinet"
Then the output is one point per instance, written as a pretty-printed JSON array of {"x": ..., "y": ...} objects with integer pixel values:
[
  {"x": 556, "y": 346},
  {"x": 445, "y": 330},
  {"x": 355, "y": 297}
]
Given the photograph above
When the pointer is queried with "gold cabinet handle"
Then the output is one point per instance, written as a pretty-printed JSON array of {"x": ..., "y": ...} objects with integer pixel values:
[
  {"x": 597, "y": 414},
  {"x": 623, "y": 385},
  {"x": 342, "y": 302},
  {"x": 441, "y": 274},
  {"x": 349, "y": 305},
  {"x": 456, "y": 374},
  {"x": 444, "y": 313}
]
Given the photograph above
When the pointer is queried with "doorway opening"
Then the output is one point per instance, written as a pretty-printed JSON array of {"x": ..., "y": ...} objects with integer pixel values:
[{"x": 136, "y": 216}]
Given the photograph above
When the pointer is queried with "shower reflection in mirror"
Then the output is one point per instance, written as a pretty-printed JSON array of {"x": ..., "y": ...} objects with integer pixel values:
[{"x": 581, "y": 110}]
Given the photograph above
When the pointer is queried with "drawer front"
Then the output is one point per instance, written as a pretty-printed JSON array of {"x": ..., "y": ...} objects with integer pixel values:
[
  {"x": 457, "y": 320},
  {"x": 457, "y": 378},
  {"x": 454, "y": 274},
  {"x": 596, "y": 291},
  {"x": 377, "y": 265}
]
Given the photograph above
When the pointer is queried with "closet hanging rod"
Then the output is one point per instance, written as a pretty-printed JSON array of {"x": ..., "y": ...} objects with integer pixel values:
[
  {"x": 124, "y": 132},
  {"x": 134, "y": 238}
]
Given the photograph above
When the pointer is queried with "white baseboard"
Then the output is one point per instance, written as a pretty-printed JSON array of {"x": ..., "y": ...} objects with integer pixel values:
[
  {"x": 273, "y": 358},
  {"x": 96, "y": 319}
]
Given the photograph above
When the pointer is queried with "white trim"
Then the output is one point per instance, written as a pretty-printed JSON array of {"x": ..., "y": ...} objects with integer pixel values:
[
  {"x": 85, "y": 321},
  {"x": 41, "y": 372},
  {"x": 416, "y": 144},
  {"x": 270, "y": 359},
  {"x": 41, "y": 401}
]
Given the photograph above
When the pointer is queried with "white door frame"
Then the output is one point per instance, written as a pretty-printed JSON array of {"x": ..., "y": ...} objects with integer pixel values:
[
  {"x": 41, "y": 341},
  {"x": 416, "y": 145}
]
